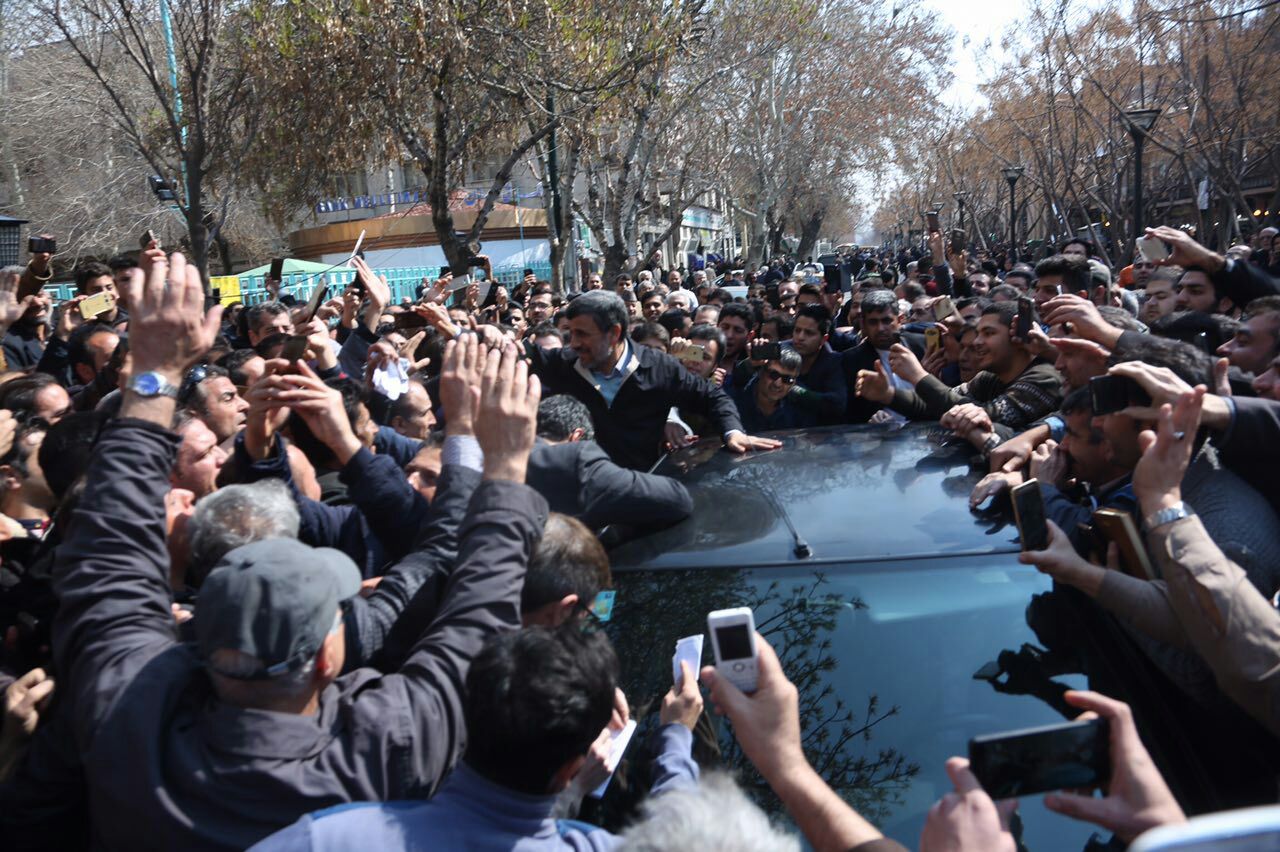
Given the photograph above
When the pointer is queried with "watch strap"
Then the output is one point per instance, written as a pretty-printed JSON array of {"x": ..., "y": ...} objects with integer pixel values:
[{"x": 1176, "y": 512}]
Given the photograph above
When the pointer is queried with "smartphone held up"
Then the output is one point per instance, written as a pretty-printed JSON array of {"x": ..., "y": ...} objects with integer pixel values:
[
  {"x": 733, "y": 640},
  {"x": 1072, "y": 755}
]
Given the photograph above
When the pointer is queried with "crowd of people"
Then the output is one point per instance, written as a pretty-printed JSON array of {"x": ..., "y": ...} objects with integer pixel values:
[{"x": 299, "y": 576}]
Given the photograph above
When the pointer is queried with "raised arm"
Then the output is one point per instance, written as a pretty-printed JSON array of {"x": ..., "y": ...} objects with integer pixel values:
[
  {"x": 112, "y": 573},
  {"x": 483, "y": 593},
  {"x": 415, "y": 586},
  {"x": 1232, "y": 626}
]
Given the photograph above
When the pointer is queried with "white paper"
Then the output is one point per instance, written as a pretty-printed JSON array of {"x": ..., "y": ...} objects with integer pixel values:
[
  {"x": 617, "y": 745},
  {"x": 392, "y": 381},
  {"x": 688, "y": 649}
]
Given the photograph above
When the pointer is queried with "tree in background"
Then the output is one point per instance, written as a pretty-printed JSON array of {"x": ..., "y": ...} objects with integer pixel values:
[{"x": 195, "y": 134}]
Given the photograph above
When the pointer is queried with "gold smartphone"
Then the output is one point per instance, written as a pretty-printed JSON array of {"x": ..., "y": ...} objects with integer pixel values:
[
  {"x": 693, "y": 353},
  {"x": 932, "y": 339},
  {"x": 1118, "y": 527},
  {"x": 97, "y": 304}
]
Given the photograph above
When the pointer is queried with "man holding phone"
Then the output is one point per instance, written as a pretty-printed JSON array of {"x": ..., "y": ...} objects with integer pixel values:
[{"x": 1013, "y": 388}]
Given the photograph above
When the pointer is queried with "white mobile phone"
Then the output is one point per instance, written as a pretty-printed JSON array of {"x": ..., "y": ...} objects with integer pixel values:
[
  {"x": 733, "y": 639},
  {"x": 1152, "y": 249}
]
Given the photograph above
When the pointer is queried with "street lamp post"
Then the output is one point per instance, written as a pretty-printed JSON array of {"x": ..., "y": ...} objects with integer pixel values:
[
  {"x": 1140, "y": 123},
  {"x": 1011, "y": 174}
]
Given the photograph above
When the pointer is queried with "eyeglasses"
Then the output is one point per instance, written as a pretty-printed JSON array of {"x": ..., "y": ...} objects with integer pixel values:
[{"x": 774, "y": 376}]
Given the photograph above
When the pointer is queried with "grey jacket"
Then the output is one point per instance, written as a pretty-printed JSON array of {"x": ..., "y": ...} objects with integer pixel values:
[{"x": 170, "y": 766}]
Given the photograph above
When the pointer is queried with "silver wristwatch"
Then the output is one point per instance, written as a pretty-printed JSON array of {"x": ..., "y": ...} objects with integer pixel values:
[
  {"x": 1176, "y": 512},
  {"x": 152, "y": 385}
]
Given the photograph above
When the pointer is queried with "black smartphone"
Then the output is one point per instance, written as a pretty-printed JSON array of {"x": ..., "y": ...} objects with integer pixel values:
[
  {"x": 1026, "y": 316},
  {"x": 357, "y": 285},
  {"x": 294, "y": 348},
  {"x": 766, "y": 351},
  {"x": 42, "y": 245},
  {"x": 277, "y": 269},
  {"x": 410, "y": 321},
  {"x": 931, "y": 221},
  {"x": 1040, "y": 760},
  {"x": 317, "y": 299},
  {"x": 1110, "y": 394},
  {"x": 957, "y": 240},
  {"x": 1028, "y": 512}
]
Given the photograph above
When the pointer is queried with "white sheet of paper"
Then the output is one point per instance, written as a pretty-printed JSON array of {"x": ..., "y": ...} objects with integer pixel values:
[
  {"x": 617, "y": 746},
  {"x": 688, "y": 649}
]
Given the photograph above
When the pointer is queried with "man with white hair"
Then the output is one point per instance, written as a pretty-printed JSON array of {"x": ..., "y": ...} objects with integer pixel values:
[{"x": 683, "y": 299}]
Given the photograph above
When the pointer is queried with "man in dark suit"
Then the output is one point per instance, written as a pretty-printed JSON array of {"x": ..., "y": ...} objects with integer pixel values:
[
  {"x": 576, "y": 477},
  {"x": 629, "y": 389},
  {"x": 881, "y": 328}
]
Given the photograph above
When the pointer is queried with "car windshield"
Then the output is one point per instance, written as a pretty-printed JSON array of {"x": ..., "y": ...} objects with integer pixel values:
[{"x": 885, "y": 657}]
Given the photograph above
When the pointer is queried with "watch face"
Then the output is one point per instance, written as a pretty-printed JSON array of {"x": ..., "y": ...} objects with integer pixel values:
[{"x": 147, "y": 384}]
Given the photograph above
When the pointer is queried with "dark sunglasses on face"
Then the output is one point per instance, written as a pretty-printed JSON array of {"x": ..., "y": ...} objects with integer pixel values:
[{"x": 775, "y": 376}]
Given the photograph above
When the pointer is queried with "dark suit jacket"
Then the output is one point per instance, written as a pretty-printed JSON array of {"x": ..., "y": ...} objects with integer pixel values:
[
  {"x": 630, "y": 430},
  {"x": 1251, "y": 446},
  {"x": 578, "y": 479},
  {"x": 864, "y": 357}
]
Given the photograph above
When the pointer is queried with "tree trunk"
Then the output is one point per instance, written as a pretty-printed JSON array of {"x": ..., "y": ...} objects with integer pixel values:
[
  {"x": 224, "y": 253},
  {"x": 615, "y": 261},
  {"x": 197, "y": 228},
  {"x": 809, "y": 231}
]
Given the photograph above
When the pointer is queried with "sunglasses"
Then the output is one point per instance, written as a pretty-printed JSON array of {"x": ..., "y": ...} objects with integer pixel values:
[
  {"x": 774, "y": 376},
  {"x": 194, "y": 377}
]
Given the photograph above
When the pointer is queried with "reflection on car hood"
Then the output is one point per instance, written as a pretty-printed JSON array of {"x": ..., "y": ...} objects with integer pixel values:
[{"x": 852, "y": 493}]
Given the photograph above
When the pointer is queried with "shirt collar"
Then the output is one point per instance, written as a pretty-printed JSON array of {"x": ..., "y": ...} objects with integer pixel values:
[{"x": 624, "y": 361}]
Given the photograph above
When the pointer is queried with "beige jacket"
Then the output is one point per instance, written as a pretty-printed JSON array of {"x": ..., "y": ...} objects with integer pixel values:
[{"x": 1206, "y": 603}]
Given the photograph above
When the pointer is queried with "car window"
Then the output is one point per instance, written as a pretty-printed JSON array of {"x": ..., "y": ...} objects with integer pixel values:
[{"x": 884, "y": 656}]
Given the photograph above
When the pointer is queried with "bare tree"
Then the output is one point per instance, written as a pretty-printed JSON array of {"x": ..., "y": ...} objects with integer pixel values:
[{"x": 191, "y": 121}]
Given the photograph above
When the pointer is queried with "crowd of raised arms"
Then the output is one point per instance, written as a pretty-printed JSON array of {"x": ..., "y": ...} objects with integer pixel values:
[{"x": 289, "y": 576}]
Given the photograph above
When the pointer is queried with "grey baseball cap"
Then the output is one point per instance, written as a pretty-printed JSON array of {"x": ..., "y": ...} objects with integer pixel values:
[
  {"x": 276, "y": 600},
  {"x": 1099, "y": 272}
]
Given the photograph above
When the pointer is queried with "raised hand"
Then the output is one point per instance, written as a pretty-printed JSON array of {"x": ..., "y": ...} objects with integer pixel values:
[
  {"x": 1185, "y": 251},
  {"x": 1049, "y": 464},
  {"x": 905, "y": 363},
  {"x": 683, "y": 703},
  {"x": 168, "y": 327},
  {"x": 1061, "y": 561},
  {"x": 508, "y": 414},
  {"x": 1084, "y": 318},
  {"x": 321, "y": 408},
  {"x": 11, "y": 307},
  {"x": 967, "y": 820},
  {"x": 1167, "y": 451},
  {"x": 1137, "y": 797},
  {"x": 267, "y": 413},
  {"x": 874, "y": 385},
  {"x": 438, "y": 317},
  {"x": 460, "y": 377}
]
